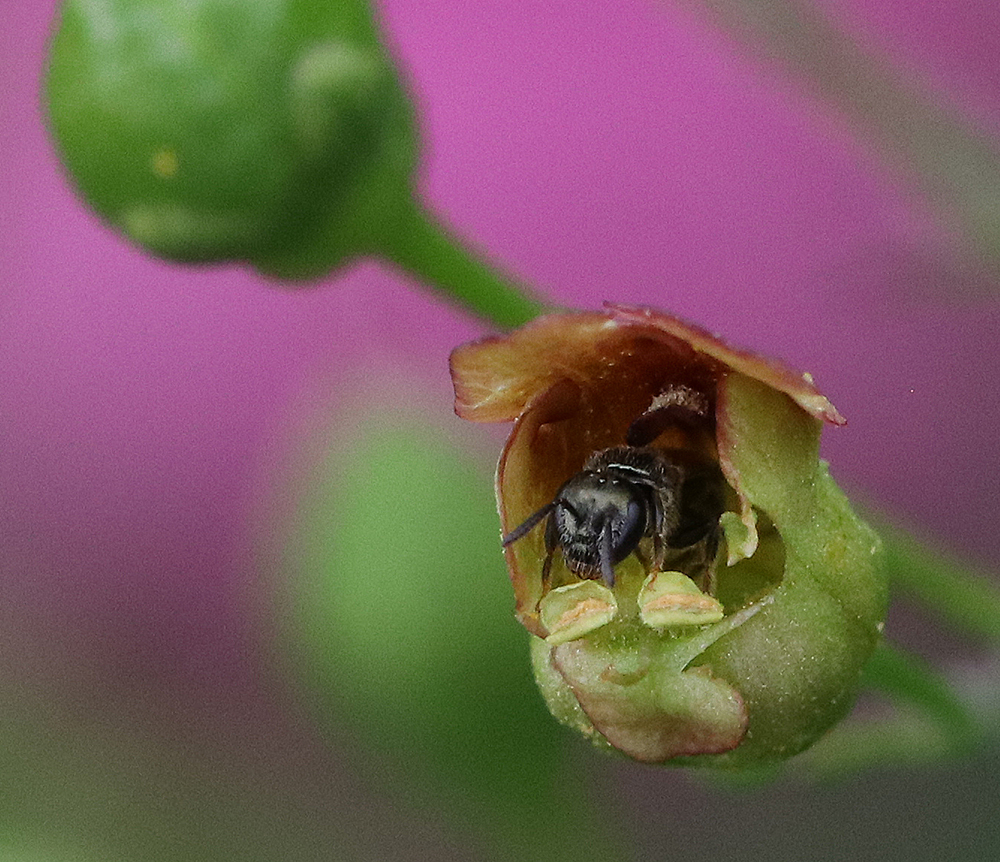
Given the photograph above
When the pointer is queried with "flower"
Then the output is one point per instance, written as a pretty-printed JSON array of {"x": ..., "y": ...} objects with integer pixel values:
[
  {"x": 728, "y": 659},
  {"x": 276, "y": 133}
]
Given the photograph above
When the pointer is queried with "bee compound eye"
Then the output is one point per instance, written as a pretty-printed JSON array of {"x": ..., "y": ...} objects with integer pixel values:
[{"x": 627, "y": 527}]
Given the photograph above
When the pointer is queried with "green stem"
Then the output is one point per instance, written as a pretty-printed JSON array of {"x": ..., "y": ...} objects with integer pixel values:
[
  {"x": 968, "y": 601},
  {"x": 909, "y": 681},
  {"x": 424, "y": 248},
  {"x": 904, "y": 740},
  {"x": 930, "y": 724}
]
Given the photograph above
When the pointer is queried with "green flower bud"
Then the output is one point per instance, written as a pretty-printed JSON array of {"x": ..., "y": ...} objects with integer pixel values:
[
  {"x": 741, "y": 595},
  {"x": 268, "y": 131}
]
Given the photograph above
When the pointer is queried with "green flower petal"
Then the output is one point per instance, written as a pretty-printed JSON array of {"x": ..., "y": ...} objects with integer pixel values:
[{"x": 797, "y": 664}]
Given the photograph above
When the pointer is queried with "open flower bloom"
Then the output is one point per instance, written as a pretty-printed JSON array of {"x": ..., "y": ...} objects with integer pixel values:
[{"x": 741, "y": 647}]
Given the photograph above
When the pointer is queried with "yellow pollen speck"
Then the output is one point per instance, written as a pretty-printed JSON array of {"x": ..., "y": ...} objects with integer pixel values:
[{"x": 165, "y": 163}]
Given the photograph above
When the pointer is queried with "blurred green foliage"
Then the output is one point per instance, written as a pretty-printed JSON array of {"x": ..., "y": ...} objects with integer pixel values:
[{"x": 407, "y": 638}]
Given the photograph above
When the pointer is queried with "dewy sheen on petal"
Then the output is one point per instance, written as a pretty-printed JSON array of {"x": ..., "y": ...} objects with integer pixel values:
[{"x": 644, "y": 444}]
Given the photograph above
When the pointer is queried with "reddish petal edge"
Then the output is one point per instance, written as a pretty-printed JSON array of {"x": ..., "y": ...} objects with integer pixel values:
[
  {"x": 496, "y": 377},
  {"x": 797, "y": 386},
  {"x": 655, "y": 719},
  {"x": 513, "y": 479}
]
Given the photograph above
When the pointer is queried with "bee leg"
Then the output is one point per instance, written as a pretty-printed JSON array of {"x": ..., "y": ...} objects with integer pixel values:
[
  {"x": 677, "y": 406},
  {"x": 659, "y": 552},
  {"x": 652, "y": 562},
  {"x": 708, "y": 554},
  {"x": 659, "y": 543},
  {"x": 551, "y": 543},
  {"x": 712, "y": 557},
  {"x": 546, "y": 570}
]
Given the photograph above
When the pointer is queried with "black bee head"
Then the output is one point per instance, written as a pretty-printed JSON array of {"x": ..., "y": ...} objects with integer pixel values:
[{"x": 598, "y": 521}]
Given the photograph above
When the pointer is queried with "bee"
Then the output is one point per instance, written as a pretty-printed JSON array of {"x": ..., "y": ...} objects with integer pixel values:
[{"x": 627, "y": 493}]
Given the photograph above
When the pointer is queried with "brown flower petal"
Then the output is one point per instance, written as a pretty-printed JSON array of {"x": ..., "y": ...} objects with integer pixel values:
[{"x": 496, "y": 378}]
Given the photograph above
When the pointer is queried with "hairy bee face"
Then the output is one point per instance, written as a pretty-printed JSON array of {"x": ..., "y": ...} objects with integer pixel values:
[
  {"x": 621, "y": 496},
  {"x": 598, "y": 520}
]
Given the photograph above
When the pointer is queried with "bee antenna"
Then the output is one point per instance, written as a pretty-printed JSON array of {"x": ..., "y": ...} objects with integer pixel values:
[
  {"x": 607, "y": 569},
  {"x": 527, "y": 525}
]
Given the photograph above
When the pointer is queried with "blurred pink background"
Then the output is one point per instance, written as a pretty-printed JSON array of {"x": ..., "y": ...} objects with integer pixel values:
[{"x": 599, "y": 151}]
